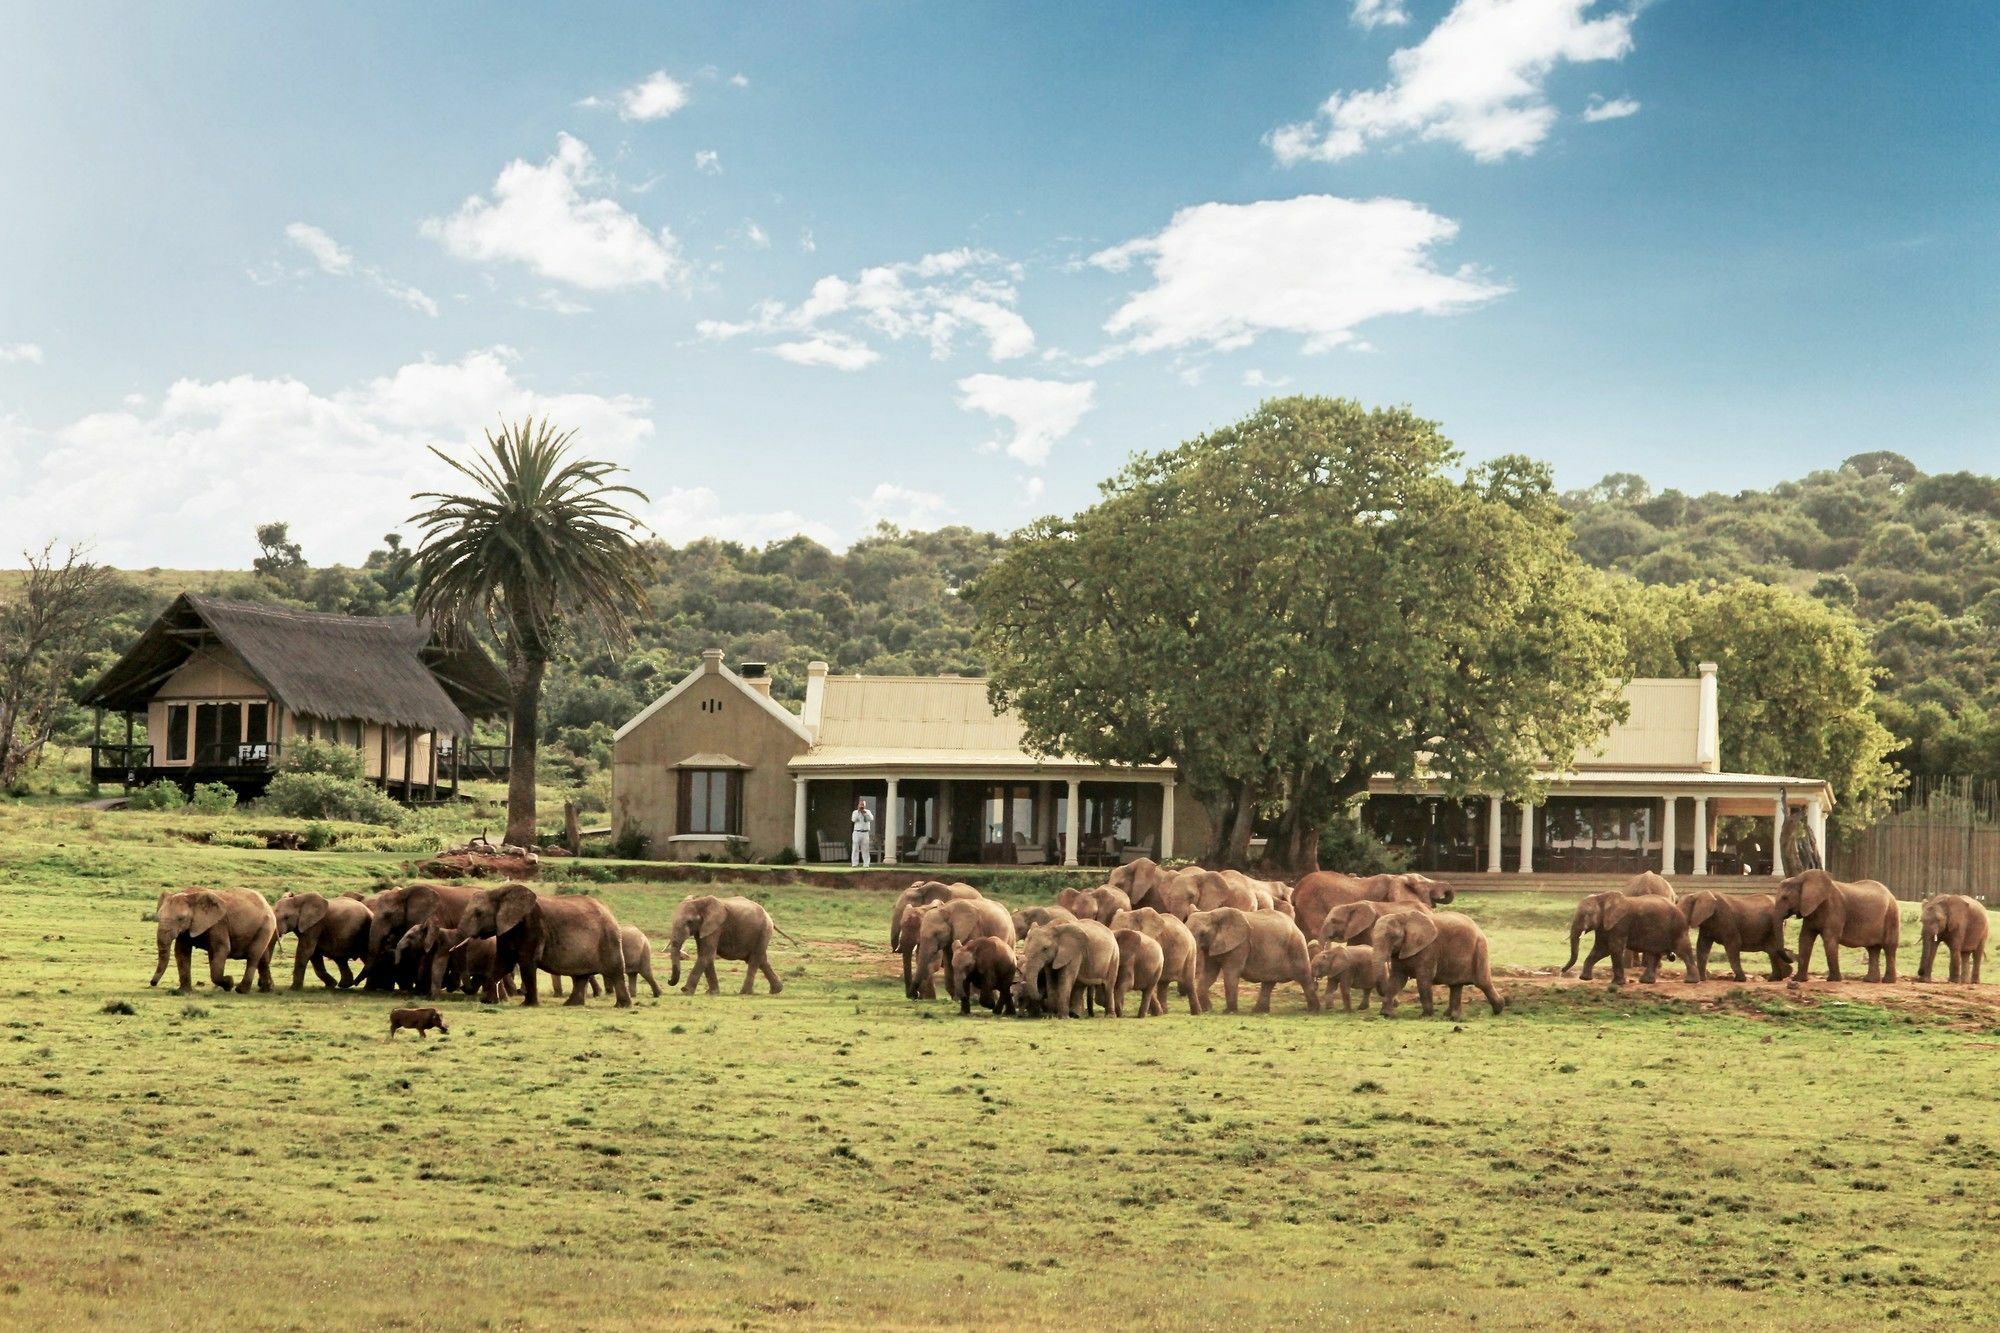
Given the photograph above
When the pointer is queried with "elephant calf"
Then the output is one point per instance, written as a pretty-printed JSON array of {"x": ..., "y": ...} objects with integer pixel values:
[
  {"x": 1265, "y": 947},
  {"x": 735, "y": 929},
  {"x": 1350, "y": 967},
  {"x": 224, "y": 923},
  {"x": 1740, "y": 922},
  {"x": 1959, "y": 924},
  {"x": 1444, "y": 948},
  {"x": 984, "y": 969},
  {"x": 638, "y": 952},
  {"x": 1141, "y": 964}
]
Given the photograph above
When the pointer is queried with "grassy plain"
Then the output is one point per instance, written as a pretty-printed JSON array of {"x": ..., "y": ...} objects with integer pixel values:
[{"x": 838, "y": 1156}]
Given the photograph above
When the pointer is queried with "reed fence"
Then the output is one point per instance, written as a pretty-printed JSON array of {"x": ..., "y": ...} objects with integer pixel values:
[{"x": 1942, "y": 836}]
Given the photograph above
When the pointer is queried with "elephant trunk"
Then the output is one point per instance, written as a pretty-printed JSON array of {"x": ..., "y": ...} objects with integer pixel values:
[
  {"x": 1575, "y": 936},
  {"x": 166, "y": 944},
  {"x": 678, "y": 938},
  {"x": 1930, "y": 955}
]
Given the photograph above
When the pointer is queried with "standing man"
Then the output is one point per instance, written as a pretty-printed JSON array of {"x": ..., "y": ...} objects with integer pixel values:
[{"x": 864, "y": 827}]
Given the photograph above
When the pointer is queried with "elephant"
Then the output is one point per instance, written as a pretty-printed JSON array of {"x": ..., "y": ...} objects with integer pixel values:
[
  {"x": 736, "y": 929},
  {"x": 984, "y": 969},
  {"x": 1264, "y": 947},
  {"x": 1136, "y": 879},
  {"x": 918, "y": 894},
  {"x": 1648, "y": 926},
  {"x": 473, "y": 969},
  {"x": 227, "y": 923},
  {"x": 1028, "y": 918},
  {"x": 573, "y": 936},
  {"x": 1648, "y": 884},
  {"x": 1099, "y": 904},
  {"x": 1180, "y": 961},
  {"x": 955, "y": 922},
  {"x": 333, "y": 929},
  {"x": 1059, "y": 957},
  {"x": 1352, "y": 922},
  {"x": 1858, "y": 915},
  {"x": 1440, "y": 948},
  {"x": 1142, "y": 965},
  {"x": 1271, "y": 895},
  {"x": 393, "y": 913},
  {"x": 1739, "y": 922},
  {"x": 1348, "y": 966},
  {"x": 1325, "y": 889},
  {"x": 638, "y": 951},
  {"x": 1958, "y": 923},
  {"x": 1182, "y": 892}
]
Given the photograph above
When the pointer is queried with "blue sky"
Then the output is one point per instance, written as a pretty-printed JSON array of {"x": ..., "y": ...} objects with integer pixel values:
[{"x": 800, "y": 267}]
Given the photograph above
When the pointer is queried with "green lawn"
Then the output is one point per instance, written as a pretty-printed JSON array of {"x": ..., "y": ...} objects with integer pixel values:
[{"x": 839, "y": 1156}]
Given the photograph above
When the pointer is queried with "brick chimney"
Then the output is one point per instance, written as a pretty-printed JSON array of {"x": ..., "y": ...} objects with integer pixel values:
[
  {"x": 1708, "y": 726},
  {"x": 756, "y": 675}
]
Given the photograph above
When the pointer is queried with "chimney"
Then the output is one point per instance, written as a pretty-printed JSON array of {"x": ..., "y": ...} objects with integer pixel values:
[
  {"x": 815, "y": 705},
  {"x": 1708, "y": 727},
  {"x": 756, "y": 676},
  {"x": 711, "y": 661}
]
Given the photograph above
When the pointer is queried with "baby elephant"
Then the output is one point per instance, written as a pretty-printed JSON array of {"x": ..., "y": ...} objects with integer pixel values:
[
  {"x": 984, "y": 967},
  {"x": 1350, "y": 967},
  {"x": 417, "y": 1020}
]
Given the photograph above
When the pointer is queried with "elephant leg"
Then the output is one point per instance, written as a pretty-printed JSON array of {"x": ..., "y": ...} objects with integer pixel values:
[
  {"x": 528, "y": 982},
  {"x": 1651, "y": 973},
  {"x": 1889, "y": 963},
  {"x": 706, "y": 963},
  {"x": 1264, "y": 989},
  {"x": 218, "y": 959},
  {"x": 1064, "y": 981},
  {"x": 346, "y": 976},
  {"x": 770, "y": 973},
  {"x": 184, "y": 958},
  {"x": 1803, "y": 972},
  {"x": 1598, "y": 953},
  {"x": 319, "y": 970},
  {"x": 299, "y": 969},
  {"x": 1424, "y": 997},
  {"x": 1735, "y": 961},
  {"x": 1874, "y": 972},
  {"x": 555, "y": 986},
  {"x": 1346, "y": 1000},
  {"x": 579, "y": 993},
  {"x": 1232, "y": 978},
  {"x": 1617, "y": 968},
  {"x": 1392, "y": 986},
  {"x": 1456, "y": 1009},
  {"x": 651, "y": 980},
  {"x": 1485, "y": 984},
  {"x": 1831, "y": 943}
]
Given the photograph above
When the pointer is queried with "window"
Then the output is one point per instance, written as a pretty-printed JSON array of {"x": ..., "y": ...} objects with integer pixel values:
[
  {"x": 350, "y": 733},
  {"x": 177, "y": 733},
  {"x": 711, "y": 800}
]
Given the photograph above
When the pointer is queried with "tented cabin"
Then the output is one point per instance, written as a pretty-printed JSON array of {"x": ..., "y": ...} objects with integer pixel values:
[{"x": 223, "y": 686}]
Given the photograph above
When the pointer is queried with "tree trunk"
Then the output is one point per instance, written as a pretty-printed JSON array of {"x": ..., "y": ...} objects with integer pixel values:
[
  {"x": 527, "y": 681},
  {"x": 1236, "y": 853}
]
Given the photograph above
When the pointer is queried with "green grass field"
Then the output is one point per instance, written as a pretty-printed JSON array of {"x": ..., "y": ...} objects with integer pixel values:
[{"x": 839, "y": 1156}]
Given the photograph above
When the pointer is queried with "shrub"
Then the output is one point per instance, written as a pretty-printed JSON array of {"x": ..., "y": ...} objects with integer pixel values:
[
  {"x": 785, "y": 856},
  {"x": 1348, "y": 847},
  {"x": 213, "y": 798},
  {"x": 318, "y": 837},
  {"x": 341, "y": 761},
  {"x": 630, "y": 844},
  {"x": 161, "y": 795},
  {"x": 313, "y": 795}
]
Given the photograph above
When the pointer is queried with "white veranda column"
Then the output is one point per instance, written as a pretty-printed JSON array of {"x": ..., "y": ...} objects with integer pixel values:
[
  {"x": 1072, "y": 822},
  {"x": 1166, "y": 819},
  {"x": 799, "y": 818},
  {"x": 1778, "y": 836},
  {"x": 1701, "y": 835},
  {"x": 892, "y": 825},
  {"x": 1493, "y": 808},
  {"x": 1527, "y": 839},
  {"x": 1669, "y": 835}
]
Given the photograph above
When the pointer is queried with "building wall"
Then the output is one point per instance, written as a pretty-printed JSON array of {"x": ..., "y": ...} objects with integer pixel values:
[
  {"x": 712, "y": 716},
  {"x": 1662, "y": 732}
]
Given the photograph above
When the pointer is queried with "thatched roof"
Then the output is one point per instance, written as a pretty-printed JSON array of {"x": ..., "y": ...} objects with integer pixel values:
[{"x": 385, "y": 669}]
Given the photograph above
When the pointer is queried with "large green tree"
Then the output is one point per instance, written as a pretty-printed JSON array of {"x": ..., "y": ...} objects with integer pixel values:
[
  {"x": 541, "y": 544},
  {"x": 1797, "y": 686},
  {"x": 1300, "y": 600}
]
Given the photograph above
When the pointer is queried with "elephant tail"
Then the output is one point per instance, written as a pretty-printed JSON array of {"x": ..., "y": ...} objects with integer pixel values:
[{"x": 794, "y": 943}]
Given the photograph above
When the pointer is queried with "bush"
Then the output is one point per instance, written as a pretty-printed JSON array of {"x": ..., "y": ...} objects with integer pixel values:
[
  {"x": 318, "y": 837},
  {"x": 213, "y": 798},
  {"x": 161, "y": 795},
  {"x": 630, "y": 844},
  {"x": 1351, "y": 849},
  {"x": 341, "y": 761},
  {"x": 785, "y": 856},
  {"x": 313, "y": 795}
]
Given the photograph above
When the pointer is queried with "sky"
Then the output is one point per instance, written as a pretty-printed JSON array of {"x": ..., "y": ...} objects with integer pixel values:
[{"x": 803, "y": 268}]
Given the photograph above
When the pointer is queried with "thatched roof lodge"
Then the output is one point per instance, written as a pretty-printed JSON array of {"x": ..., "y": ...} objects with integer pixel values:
[{"x": 222, "y": 685}]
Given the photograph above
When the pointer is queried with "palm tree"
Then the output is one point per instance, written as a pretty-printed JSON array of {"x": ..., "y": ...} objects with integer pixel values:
[{"x": 543, "y": 541}]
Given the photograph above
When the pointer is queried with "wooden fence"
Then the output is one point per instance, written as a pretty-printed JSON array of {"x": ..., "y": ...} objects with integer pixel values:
[{"x": 1943, "y": 836}]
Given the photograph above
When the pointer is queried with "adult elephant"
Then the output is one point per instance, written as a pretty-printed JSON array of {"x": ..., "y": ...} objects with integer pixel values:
[
  {"x": 1324, "y": 890},
  {"x": 918, "y": 894},
  {"x": 1183, "y": 892},
  {"x": 1650, "y": 884},
  {"x": 394, "y": 913},
  {"x": 1352, "y": 923},
  {"x": 1099, "y": 904},
  {"x": 1959, "y": 924},
  {"x": 735, "y": 929},
  {"x": 1441, "y": 948},
  {"x": 1180, "y": 961},
  {"x": 1857, "y": 915},
  {"x": 329, "y": 929},
  {"x": 227, "y": 924},
  {"x": 573, "y": 936},
  {"x": 1623, "y": 925},
  {"x": 1264, "y": 947},
  {"x": 1028, "y": 918},
  {"x": 1137, "y": 879},
  {"x": 1270, "y": 894},
  {"x": 1741, "y": 923},
  {"x": 1059, "y": 957},
  {"x": 946, "y": 924}
]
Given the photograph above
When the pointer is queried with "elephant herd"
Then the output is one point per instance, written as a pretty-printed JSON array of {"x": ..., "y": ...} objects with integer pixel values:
[
  {"x": 1149, "y": 930},
  {"x": 1648, "y": 921},
  {"x": 437, "y": 938}
]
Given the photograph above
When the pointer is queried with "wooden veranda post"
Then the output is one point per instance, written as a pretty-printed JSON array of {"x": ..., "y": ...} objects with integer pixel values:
[
  {"x": 409, "y": 764},
  {"x": 385, "y": 759},
  {"x": 432, "y": 795},
  {"x": 96, "y": 751}
]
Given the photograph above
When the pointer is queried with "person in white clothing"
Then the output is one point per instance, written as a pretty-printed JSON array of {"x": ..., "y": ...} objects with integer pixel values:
[{"x": 864, "y": 828}]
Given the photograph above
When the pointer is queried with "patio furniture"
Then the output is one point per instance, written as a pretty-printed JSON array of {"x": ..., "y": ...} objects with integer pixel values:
[
  {"x": 833, "y": 849},
  {"x": 1028, "y": 853},
  {"x": 1134, "y": 851},
  {"x": 1099, "y": 852},
  {"x": 931, "y": 851}
]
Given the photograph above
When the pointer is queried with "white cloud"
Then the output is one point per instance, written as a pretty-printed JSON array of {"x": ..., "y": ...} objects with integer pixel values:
[
  {"x": 16, "y": 353},
  {"x": 334, "y": 258},
  {"x": 182, "y": 483},
  {"x": 1040, "y": 411},
  {"x": 328, "y": 253},
  {"x": 686, "y": 513},
  {"x": 541, "y": 217},
  {"x": 1476, "y": 81},
  {"x": 1379, "y": 13},
  {"x": 806, "y": 241},
  {"x": 910, "y": 510},
  {"x": 654, "y": 97},
  {"x": 1316, "y": 265},
  {"x": 752, "y": 235},
  {"x": 1033, "y": 489},
  {"x": 1616, "y": 108},
  {"x": 739, "y": 80},
  {"x": 935, "y": 299},
  {"x": 554, "y": 302},
  {"x": 1257, "y": 379},
  {"x": 828, "y": 349},
  {"x": 708, "y": 162}
]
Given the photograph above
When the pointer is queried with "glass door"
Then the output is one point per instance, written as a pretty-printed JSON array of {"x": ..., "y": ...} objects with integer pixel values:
[{"x": 218, "y": 733}]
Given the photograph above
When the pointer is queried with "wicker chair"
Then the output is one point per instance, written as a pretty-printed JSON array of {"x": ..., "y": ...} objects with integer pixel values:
[{"x": 1028, "y": 853}]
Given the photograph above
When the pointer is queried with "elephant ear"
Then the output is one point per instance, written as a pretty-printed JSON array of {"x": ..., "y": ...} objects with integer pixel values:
[
  {"x": 1069, "y": 948},
  {"x": 1419, "y": 931},
  {"x": 311, "y": 911},
  {"x": 1231, "y": 933},
  {"x": 516, "y": 901},
  {"x": 1814, "y": 892},
  {"x": 712, "y": 919},
  {"x": 204, "y": 911},
  {"x": 1701, "y": 906},
  {"x": 1611, "y": 909}
]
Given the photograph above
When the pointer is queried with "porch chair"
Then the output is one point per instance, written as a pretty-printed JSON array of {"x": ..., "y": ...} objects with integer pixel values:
[
  {"x": 1028, "y": 853},
  {"x": 930, "y": 851},
  {"x": 1133, "y": 851},
  {"x": 833, "y": 849}
]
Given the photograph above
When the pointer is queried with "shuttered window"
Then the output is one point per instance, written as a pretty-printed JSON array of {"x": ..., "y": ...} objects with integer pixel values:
[{"x": 711, "y": 801}]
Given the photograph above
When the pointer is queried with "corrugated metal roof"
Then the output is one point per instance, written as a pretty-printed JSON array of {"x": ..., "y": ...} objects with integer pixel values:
[
  {"x": 935, "y": 713},
  {"x": 875, "y": 756}
]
